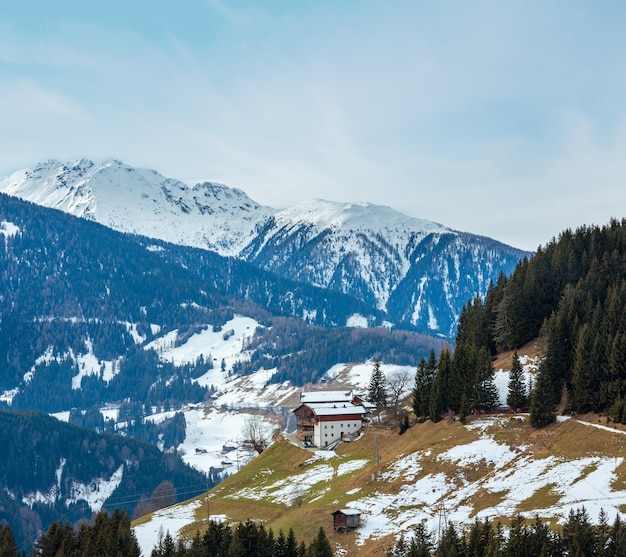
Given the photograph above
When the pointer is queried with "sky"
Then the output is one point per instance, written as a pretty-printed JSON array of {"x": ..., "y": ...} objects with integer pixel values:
[{"x": 505, "y": 119}]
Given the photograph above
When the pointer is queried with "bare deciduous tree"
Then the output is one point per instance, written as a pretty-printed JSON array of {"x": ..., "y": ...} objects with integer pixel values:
[
  {"x": 397, "y": 384},
  {"x": 258, "y": 432}
]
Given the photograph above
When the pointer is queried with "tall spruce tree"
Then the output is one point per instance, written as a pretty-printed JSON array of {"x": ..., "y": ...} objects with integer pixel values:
[
  {"x": 487, "y": 395},
  {"x": 424, "y": 375},
  {"x": 516, "y": 396},
  {"x": 376, "y": 392},
  {"x": 8, "y": 546},
  {"x": 541, "y": 403},
  {"x": 320, "y": 546}
]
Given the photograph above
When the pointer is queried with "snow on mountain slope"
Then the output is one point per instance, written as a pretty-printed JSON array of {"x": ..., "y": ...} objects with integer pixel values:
[
  {"x": 142, "y": 201},
  {"x": 419, "y": 272},
  {"x": 375, "y": 237},
  {"x": 378, "y": 219}
]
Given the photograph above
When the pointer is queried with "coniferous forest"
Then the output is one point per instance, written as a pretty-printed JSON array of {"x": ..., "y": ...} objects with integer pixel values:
[
  {"x": 111, "y": 536},
  {"x": 572, "y": 296},
  {"x": 43, "y": 455},
  {"x": 523, "y": 538}
]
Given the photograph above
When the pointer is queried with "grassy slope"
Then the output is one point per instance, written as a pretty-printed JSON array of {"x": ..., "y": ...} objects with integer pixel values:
[{"x": 305, "y": 515}]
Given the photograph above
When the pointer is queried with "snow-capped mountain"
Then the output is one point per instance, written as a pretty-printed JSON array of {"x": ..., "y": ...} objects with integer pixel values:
[
  {"x": 141, "y": 201},
  {"x": 420, "y": 273}
]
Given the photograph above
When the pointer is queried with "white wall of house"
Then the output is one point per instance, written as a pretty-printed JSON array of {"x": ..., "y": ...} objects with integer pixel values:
[{"x": 326, "y": 432}]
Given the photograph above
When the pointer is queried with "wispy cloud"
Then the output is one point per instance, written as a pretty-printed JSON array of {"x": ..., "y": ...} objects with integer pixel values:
[{"x": 492, "y": 117}]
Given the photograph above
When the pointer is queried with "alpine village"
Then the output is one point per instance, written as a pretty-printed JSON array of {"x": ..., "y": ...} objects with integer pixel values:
[{"x": 271, "y": 392}]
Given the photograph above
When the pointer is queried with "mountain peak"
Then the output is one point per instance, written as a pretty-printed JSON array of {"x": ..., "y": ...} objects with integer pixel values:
[
  {"x": 355, "y": 216},
  {"x": 142, "y": 201}
]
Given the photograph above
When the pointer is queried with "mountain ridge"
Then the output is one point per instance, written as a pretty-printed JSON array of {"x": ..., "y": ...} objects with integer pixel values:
[{"x": 418, "y": 272}]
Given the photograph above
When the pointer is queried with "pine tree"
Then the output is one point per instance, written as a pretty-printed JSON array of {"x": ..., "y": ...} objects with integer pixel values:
[
  {"x": 489, "y": 395},
  {"x": 617, "y": 542},
  {"x": 603, "y": 534},
  {"x": 445, "y": 380},
  {"x": 418, "y": 389},
  {"x": 57, "y": 541},
  {"x": 421, "y": 543},
  {"x": 450, "y": 544},
  {"x": 376, "y": 393},
  {"x": 292, "y": 544},
  {"x": 320, "y": 546},
  {"x": 8, "y": 546},
  {"x": 516, "y": 396},
  {"x": 424, "y": 376},
  {"x": 280, "y": 545},
  {"x": 578, "y": 534},
  {"x": 582, "y": 390},
  {"x": 541, "y": 405},
  {"x": 435, "y": 407}
]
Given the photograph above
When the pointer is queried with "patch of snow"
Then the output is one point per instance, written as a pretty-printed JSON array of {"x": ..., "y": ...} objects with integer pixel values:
[
  {"x": 8, "y": 230},
  {"x": 8, "y": 395},
  {"x": 209, "y": 431},
  {"x": 604, "y": 427},
  {"x": 132, "y": 331},
  {"x": 357, "y": 320},
  {"x": 171, "y": 519},
  {"x": 62, "y": 416},
  {"x": 96, "y": 492},
  {"x": 288, "y": 490},
  {"x": 351, "y": 466},
  {"x": 433, "y": 325},
  {"x": 484, "y": 448},
  {"x": 359, "y": 375},
  {"x": 207, "y": 343},
  {"x": 407, "y": 467}
]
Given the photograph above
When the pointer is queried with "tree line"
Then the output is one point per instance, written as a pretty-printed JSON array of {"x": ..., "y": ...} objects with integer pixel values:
[
  {"x": 571, "y": 295},
  {"x": 577, "y": 537},
  {"x": 246, "y": 539},
  {"x": 459, "y": 382},
  {"x": 110, "y": 535}
]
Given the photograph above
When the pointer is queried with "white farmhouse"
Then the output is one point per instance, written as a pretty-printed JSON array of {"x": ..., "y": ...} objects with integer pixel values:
[{"x": 325, "y": 417}]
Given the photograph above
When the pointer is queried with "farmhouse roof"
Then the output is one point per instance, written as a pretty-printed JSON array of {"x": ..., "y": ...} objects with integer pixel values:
[
  {"x": 325, "y": 396},
  {"x": 338, "y": 410}
]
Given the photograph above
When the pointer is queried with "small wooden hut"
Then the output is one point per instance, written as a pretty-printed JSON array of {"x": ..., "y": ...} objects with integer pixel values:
[{"x": 345, "y": 520}]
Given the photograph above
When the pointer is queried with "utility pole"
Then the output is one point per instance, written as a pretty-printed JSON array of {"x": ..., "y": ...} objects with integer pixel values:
[
  {"x": 376, "y": 467},
  {"x": 208, "y": 513},
  {"x": 443, "y": 519}
]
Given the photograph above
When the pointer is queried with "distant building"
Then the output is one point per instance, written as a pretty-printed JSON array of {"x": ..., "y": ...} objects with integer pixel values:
[
  {"x": 345, "y": 520},
  {"x": 325, "y": 417}
]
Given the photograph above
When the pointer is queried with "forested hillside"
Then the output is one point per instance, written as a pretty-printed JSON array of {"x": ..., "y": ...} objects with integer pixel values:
[
  {"x": 75, "y": 294},
  {"x": 52, "y": 470},
  {"x": 572, "y": 293}
]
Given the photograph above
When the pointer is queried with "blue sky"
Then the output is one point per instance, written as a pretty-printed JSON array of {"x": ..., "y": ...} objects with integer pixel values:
[{"x": 506, "y": 119}]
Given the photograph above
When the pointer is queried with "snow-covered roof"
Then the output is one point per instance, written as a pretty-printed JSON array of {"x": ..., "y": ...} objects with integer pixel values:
[
  {"x": 346, "y": 410},
  {"x": 348, "y": 512},
  {"x": 314, "y": 405},
  {"x": 326, "y": 396}
]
